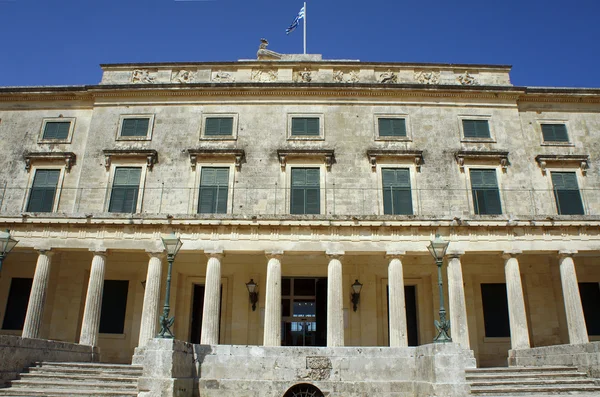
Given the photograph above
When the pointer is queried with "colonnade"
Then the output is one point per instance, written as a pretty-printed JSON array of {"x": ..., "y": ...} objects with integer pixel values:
[{"x": 335, "y": 323}]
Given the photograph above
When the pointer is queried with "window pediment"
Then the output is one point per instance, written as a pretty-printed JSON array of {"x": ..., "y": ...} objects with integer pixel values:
[
  {"x": 68, "y": 157},
  {"x": 327, "y": 155},
  {"x": 415, "y": 156},
  {"x": 482, "y": 157},
  {"x": 239, "y": 155},
  {"x": 581, "y": 161},
  {"x": 150, "y": 155}
]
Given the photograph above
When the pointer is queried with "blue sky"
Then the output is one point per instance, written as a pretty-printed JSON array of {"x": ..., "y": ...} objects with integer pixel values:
[{"x": 62, "y": 42}]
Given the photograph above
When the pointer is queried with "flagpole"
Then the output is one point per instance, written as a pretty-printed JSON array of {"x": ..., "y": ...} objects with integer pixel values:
[{"x": 304, "y": 28}]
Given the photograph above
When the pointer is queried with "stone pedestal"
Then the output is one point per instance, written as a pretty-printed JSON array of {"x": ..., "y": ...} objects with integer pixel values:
[
  {"x": 335, "y": 303},
  {"x": 37, "y": 297},
  {"x": 519, "y": 331},
  {"x": 573, "y": 307},
  {"x": 212, "y": 297},
  {"x": 459, "y": 330},
  {"x": 272, "y": 330},
  {"x": 397, "y": 309},
  {"x": 150, "y": 311},
  {"x": 93, "y": 301}
]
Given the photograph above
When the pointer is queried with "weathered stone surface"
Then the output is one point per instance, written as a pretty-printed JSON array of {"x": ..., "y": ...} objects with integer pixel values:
[{"x": 585, "y": 356}]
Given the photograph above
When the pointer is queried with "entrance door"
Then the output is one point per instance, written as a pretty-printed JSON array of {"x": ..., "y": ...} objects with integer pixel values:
[
  {"x": 304, "y": 314},
  {"x": 197, "y": 307}
]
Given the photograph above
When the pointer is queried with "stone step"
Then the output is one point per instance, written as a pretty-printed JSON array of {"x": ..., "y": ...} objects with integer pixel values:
[
  {"x": 501, "y": 370},
  {"x": 526, "y": 383},
  {"x": 73, "y": 377},
  {"x": 95, "y": 366},
  {"x": 79, "y": 392},
  {"x": 526, "y": 375},
  {"x": 51, "y": 384},
  {"x": 535, "y": 390},
  {"x": 86, "y": 371}
]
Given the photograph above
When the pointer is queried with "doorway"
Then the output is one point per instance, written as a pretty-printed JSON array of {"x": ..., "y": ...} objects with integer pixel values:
[
  {"x": 304, "y": 311},
  {"x": 410, "y": 300}
]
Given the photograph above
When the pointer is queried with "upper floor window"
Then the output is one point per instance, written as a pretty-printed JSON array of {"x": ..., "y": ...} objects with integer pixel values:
[
  {"x": 125, "y": 190},
  {"x": 397, "y": 196},
  {"x": 57, "y": 130},
  {"x": 305, "y": 126},
  {"x": 306, "y": 192},
  {"x": 43, "y": 190},
  {"x": 566, "y": 193},
  {"x": 476, "y": 128},
  {"x": 391, "y": 127},
  {"x": 218, "y": 126},
  {"x": 214, "y": 186},
  {"x": 135, "y": 127},
  {"x": 486, "y": 196},
  {"x": 555, "y": 133}
]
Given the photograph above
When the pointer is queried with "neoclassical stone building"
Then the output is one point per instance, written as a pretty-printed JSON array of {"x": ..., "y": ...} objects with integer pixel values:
[{"x": 302, "y": 175}]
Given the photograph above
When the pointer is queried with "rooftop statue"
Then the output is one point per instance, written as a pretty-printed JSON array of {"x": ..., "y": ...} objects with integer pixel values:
[{"x": 264, "y": 54}]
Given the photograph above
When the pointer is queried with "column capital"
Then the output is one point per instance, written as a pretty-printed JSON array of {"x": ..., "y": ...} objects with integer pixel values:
[
  {"x": 455, "y": 254},
  {"x": 44, "y": 251},
  {"x": 511, "y": 254},
  {"x": 394, "y": 254},
  {"x": 98, "y": 251},
  {"x": 335, "y": 254},
  {"x": 156, "y": 254},
  {"x": 566, "y": 253},
  {"x": 214, "y": 253},
  {"x": 274, "y": 254}
]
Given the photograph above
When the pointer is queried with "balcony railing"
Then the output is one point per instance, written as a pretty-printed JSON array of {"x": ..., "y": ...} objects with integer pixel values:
[{"x": 275, "y": 201}]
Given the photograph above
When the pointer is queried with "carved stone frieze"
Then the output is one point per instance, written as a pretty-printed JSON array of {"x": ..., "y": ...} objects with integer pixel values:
[
  {"x": 302, "y": 76},
  {"x": 142, "y": 76},
  {"x": 317, "y": 369},
  {"x": 388, "y": 77},
  {"x": 467, "y": 79},
  {"x": 345, "y": 76},
  {"x": 223, "y": 77},
  {"x": 430, "y": 77},
  {"x": 183, "y": 76},
  {"x": 264, "y": 75}
]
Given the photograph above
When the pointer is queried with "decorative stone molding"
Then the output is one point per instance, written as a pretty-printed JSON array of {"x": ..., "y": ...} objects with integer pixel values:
[
  {"x": 477, "y": 157},
  {"x": 151, "y": 156},
  {"x": 239, "y": 155},
  {"x": 142, "y": 76},
  {"x": 183, "y": 77},
  {"x": 68, "y": 157},
  {"x": 467, "y": 79},
  {"x": 264, "y": 75},
  {"x": 415, "y": 156},
  {"x": 388, "y": 77},
  {"x": 302, "y": 76},
  {"x": 328, "y": 155},
  {"x": 223, "y": 77},
  {"x": 570, "y": 160},
  {"x": 430, "y": 77},
  {"x": 349, "y": 76}
]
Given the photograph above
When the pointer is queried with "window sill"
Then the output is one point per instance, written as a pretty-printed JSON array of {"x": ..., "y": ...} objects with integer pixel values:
[
  {"x": 393, "y": 138},
  {"x": 219, "y": 138},
  {"x": 478, "y": 140},
  {"x": 54, "y": 141},
  {"x": 134, "y": 138},
  {"x": 564, "y": 144},
  {"x": 305, "y": 138}
]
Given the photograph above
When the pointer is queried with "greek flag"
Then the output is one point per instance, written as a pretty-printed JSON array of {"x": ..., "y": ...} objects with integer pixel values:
[{"x": 294, "y": 24}]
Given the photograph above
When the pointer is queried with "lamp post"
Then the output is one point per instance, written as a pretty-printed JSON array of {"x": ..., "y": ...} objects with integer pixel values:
[
  {"x": 438, "y": 248},
  {"x": 172, "y": 245},
  {"x": 7, "y": 243}
]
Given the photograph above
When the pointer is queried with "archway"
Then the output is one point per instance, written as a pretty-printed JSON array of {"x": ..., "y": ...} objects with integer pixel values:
[{"x": 303, "y": 390}]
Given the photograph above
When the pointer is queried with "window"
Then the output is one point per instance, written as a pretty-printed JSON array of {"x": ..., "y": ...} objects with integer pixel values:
[
  {"x": 214, "y": 183},
  {"x": 306, "y": 195},
  {"x": 125, "y": 190},
  {"x": 217, "y": 126},
  {"x": 114, "y": 305},
  {"x": 16, "y": 304},
  {"x": 486, "y": 197},
  {"x": 58, "y": 130},
  {"x": 397, "y": 197},
  {"x": 389, "y": 127},
  {"x": 43, "y": 191},
  {"x": 305, "y": 126},
  {"x": 566, "y": 193},
  {"x": 135, "y": 127},
  {"x": 590, "y": 296},
  {"x": 495, "y": 310},
  {"x": 555, "y": 133},
  {"x": 476, "y": 129}
]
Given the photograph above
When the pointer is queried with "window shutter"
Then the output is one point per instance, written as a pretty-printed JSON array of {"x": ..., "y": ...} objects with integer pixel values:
[
  {"x": 43, "y": 190},
  {"x": 56, "y": 130},
  {"x": 305, "y": 126},
  {"x": 63, "y": 130},
  {"x": 555, "y": 133},
  {"x": 305, "y": 194},
  {"x": 214, "y": 189},
  {"x": 397, "y": 197},
  {"x": 207, "y": 199},
  {"x": 313, "y": 201},
  {"x": 125, "y": 190},
  {"x": 135, "y": 127},
  {"x": 486, "y": 196},
  {"x": 215, "y": 126},
  {"x": 392, "y": 127},
  {"x": 297, "y": 201},
  {"x": 476, "y": 129},
  {"x": 312, "y": 126},
  {"x": 566, "y": 193}
]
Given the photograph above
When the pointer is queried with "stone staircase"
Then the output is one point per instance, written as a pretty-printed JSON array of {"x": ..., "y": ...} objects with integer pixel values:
[
  {"x": 75, "y": 379},
  {"x": 531, "y": 381}
]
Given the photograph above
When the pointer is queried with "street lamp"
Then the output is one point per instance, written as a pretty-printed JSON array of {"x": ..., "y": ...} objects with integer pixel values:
[
  {"x": 172, "y": 245},
  {"x": 438, "y": 248},
  {"x": 7, "y": 243}
]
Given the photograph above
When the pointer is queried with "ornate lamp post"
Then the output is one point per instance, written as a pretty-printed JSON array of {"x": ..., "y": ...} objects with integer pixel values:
[
  {"x": 7, "y": 243},
  {"x": 438, "y": 248},
  {"x": 172, "y": 245}
]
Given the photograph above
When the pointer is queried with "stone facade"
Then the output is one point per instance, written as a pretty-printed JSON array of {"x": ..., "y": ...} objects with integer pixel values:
[{"x": 538, "y": 253}]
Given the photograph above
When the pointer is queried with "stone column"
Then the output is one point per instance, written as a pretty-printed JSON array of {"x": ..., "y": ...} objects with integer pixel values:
[
  {"x": 212, "y": 298},
  {"x": 519, "y": 331},
  {"x": 37, "y": 297},
  {"x": 93, "y": 301},
  {"x": 459, "y": 330},
  {"x": 397, "y": 309},
  {"x": 335, "y": 303},
  {"x": 573, "y": 308},
  {"x": 150, "y": 310},
  {"x": 272, "y": 330}
]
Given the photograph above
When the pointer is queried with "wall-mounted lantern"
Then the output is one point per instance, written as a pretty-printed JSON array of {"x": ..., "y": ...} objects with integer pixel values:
[
  {"x": 253, "y": 293},
  {"x": 355, "y": 295}
]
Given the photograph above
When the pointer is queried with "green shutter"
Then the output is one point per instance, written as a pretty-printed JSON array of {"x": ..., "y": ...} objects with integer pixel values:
[
  {"x": 135, "y": 127},
  {"x": 392, "y": 127},
  {"x": 216, "y": 126},
  {"x": 305, "y": 126},
  {"x": 214, "y": 186},
  {"x": 43, "y": 190},
  {"x": 486, "y": 196},
  {"x": 566, "y": 193},
  {"x": 306, "y": 192},
  {"x": 476, "y": 129},
  {"x": 555, "y": 133},
  {"x": 397, "y": 197},
  {"x": 125, "y": 190},
  {"x": 56, "y": 130}
]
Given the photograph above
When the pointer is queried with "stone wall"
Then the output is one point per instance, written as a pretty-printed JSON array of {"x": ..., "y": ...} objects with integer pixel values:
[{"x": 586, "y": 357}]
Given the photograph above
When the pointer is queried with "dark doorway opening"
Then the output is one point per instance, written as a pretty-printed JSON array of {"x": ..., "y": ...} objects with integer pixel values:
[
  {"x": 197, "y": 307},
  {"x": 304, "y": 311},
  {"x": 410, "y": 301}
]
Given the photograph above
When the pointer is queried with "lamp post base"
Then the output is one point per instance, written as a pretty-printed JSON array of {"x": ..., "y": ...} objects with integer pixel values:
[{"x": 165, "y": 327}]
